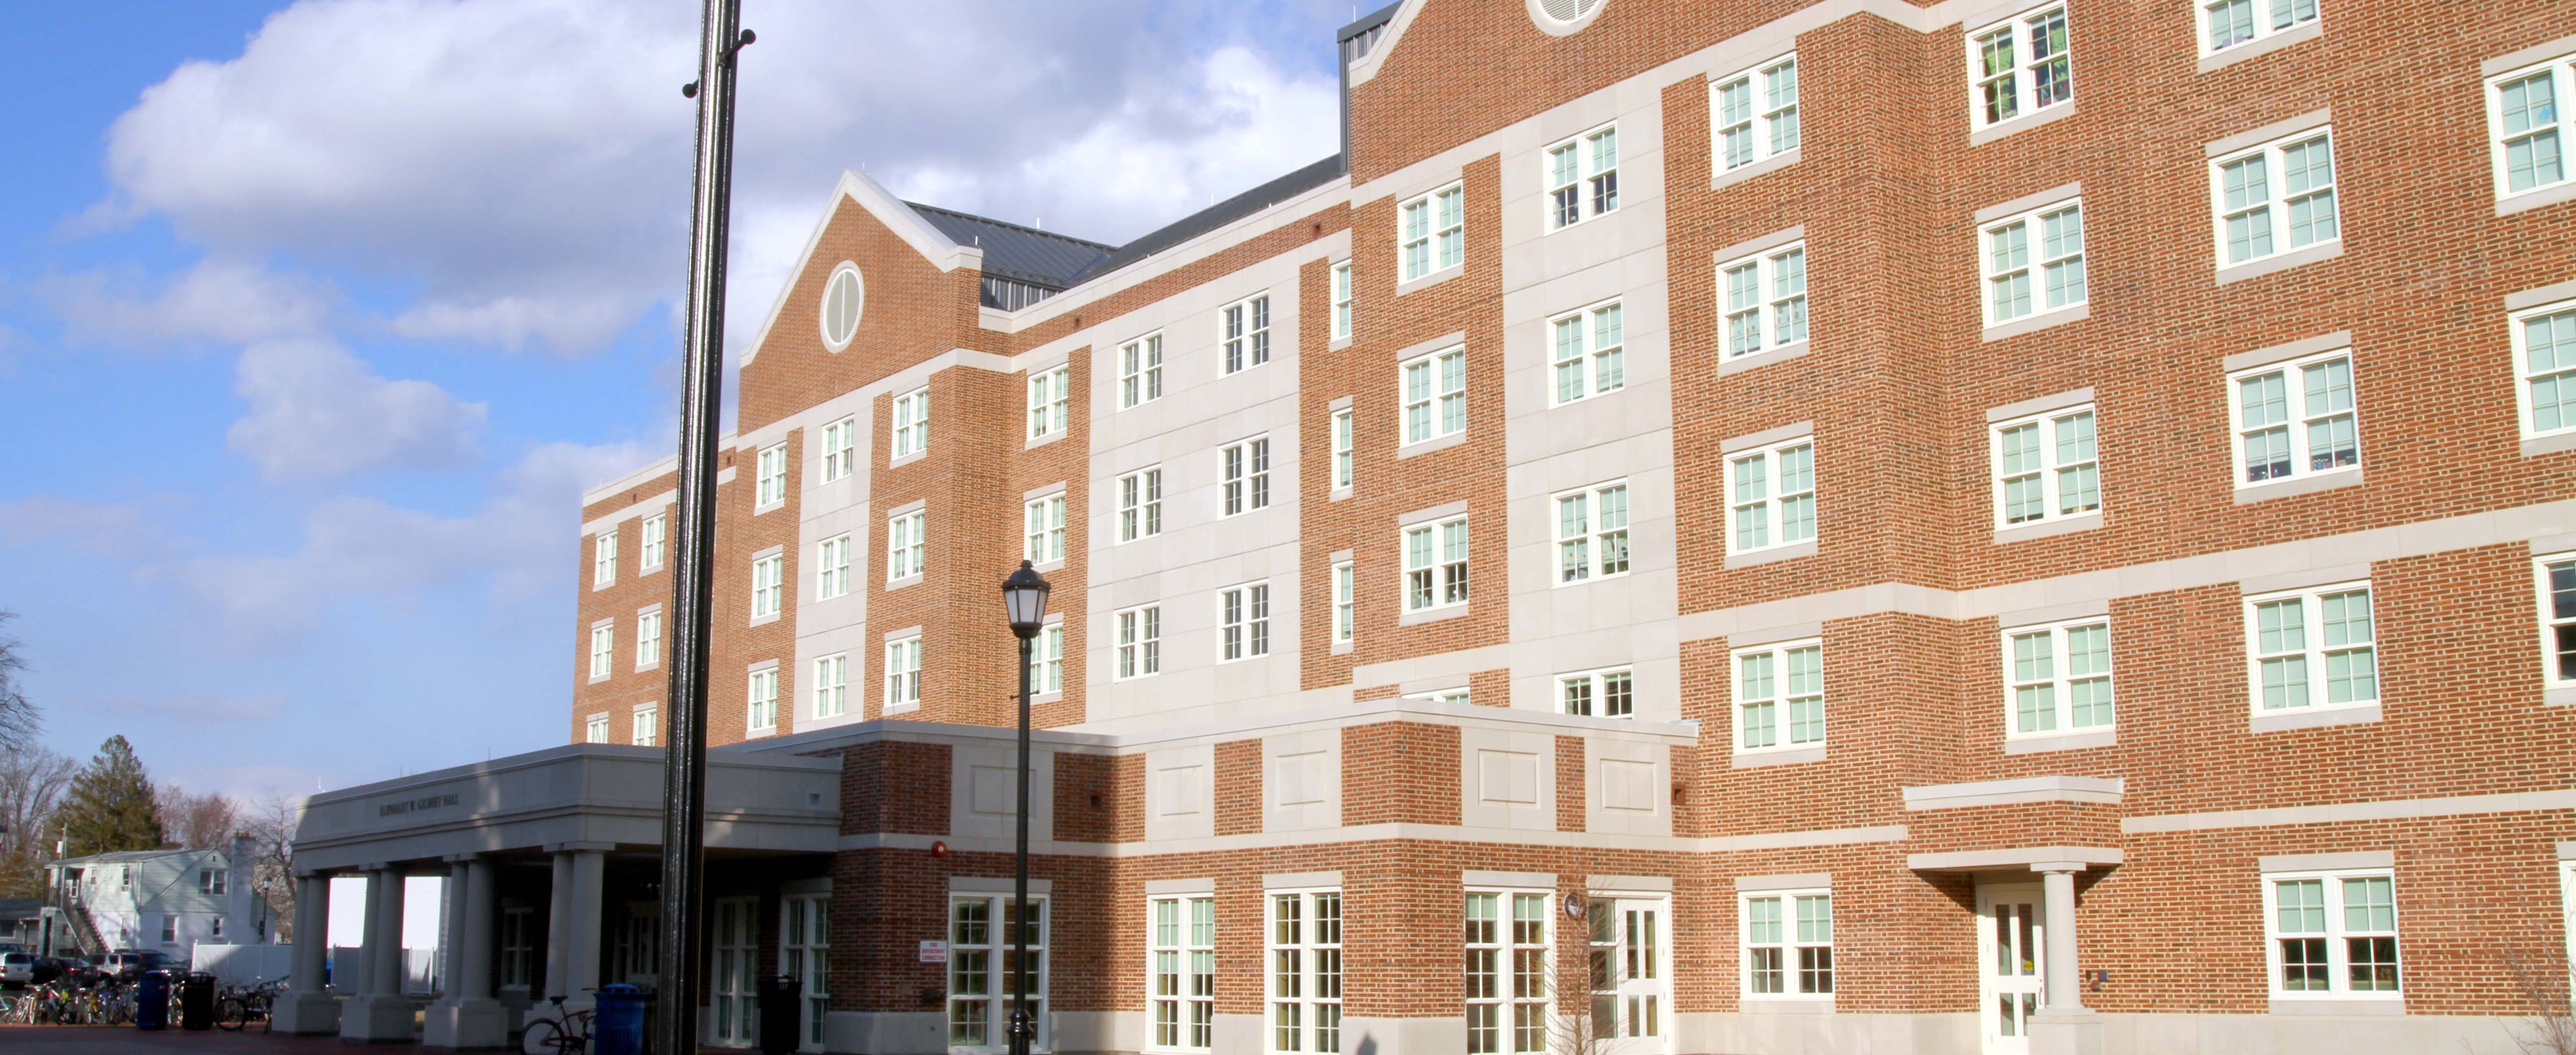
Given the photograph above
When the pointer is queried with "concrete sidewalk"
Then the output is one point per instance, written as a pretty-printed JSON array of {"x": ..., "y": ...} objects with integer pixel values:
[{"x": 127, "y": 1040}]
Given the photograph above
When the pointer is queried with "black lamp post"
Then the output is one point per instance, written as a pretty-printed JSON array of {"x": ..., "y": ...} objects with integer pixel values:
[{"x": 1024, "y": 597}]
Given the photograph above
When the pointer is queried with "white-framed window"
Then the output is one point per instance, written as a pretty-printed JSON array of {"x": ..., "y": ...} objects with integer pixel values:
[
  {"x": 1042, "y": 529},
  {"x": 1303, "y": 981},
  {"x": 1756, "y": 113},
  {"x": 1788, "y": 943},
  {"x": 1598, "y": 693},
  {"x": 1342, "y": 298},
  {"x": 169, "y": 928},
  {"x": 1181, "y": 970},
  {"x": 648, "y": 639},
  {"x": 761, "y": 715},
  {"x": 840, "y": 449},
  {"x": 804, "y": 944},
  {"x": 911, "y": 426},
  {"x": 2034, "y": 262},
  {"x": 773, "y": 475},
  {"x": 2544, "y": 356},
  {"x": 2227, "y": 23},
  {"x": 903, "y": 673},
  {"x": 1050, "y": 401},
  {"x": 1246, "y": 475},
  {"x": 1507, "y": 971},
  {"x": 1140, "y": 642},
  {"x": 1435, "y": 394},
  {"x": 1780, "y": 695},
  {"x": 844, "y": 296},
  {"x": 595, "y": 730},
  {"x": 1140, "y": 504},
  {"x": 2556, "y": 575},
  {"x": 2332, "y": 934},
  {"x": 1582, "y": 177},
  {"x": 832, "y": 556},
  {"x": 2019, "y": 66},
  {"x": 1343, "y": 449},
  {"x": 1771, "y": 495},
  {"x": 2311, "y": 648},
  {"x": 213, "y": 881},
  {"x": 1346, "y": 602},
  {"x": 603, "y": 559},
  {"x": 1046, "y": 660},
  {"x": 657, "y": 531},
  {"x": 2045, "y": 467},
  {"x": 1766, "y": 299},
  {"x": 603, "y": 649},
  {"x": 1459, "y": 697},
  {"x": 1243, "y": 621},
  {"x": 1592, "y": 533},
  {"x": 831, "y": 686},
  {"x": 1140, "y": 371},
  {"x": 1590, "y": 353},
  {"x": 907, "y": 545},
  {"x": 2057, "y": 677},
  {"x": 1244, "y": 333},
  {"x": 1431, "y": 231},
  {"x": 2294, "y": 419},
  {"x": 2274, "y": 198},
  {"x": 1435, "y": 564},
  {"x": 2527, "y": 125},
  {"x": 980, "y": 971},
  {"x": 518, "y": 946},
  {"x": 768, "y": 586},
  {"x": 647, "y": 729}
]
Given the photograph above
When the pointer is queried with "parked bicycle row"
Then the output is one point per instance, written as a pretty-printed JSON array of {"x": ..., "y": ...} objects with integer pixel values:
[{"x": 153, "y": 1000}]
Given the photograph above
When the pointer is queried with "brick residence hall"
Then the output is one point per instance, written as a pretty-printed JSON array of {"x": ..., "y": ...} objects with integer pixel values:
[{"x": 1764, "y": 526}]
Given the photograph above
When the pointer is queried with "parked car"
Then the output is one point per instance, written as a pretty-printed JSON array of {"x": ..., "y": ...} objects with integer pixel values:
[
  {"x": 17, "y": 968},
  {"x": 129, "y": 962},
  {"x": 49, "y": 968}
]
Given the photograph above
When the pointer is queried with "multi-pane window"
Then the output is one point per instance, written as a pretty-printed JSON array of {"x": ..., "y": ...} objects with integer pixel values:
[
  {"x": 773, "y": 475},
  {"x": 1245, "y": 327},
  {"x": 832, "y": 558},
  {"x": 518, "y": 947},
  {"x": 2057, "y": 677},
  {"x": 1756, "y": 113},
  {"x": 1342, "y": 300},
  {"x": 804, "y": 943},
  {"x": 2294, "y": 419},
  {"x": 2034, "y": 262},
  {"x": 1507, "y": 972},
  {"x": 657, "y": 529},
  {"x": 1780, "y": 696},
  {"x": 903, "y": 673},
  {"x": 2527, "y": 125},
  {"x": 212, "y": 881},
  {"x": 1046, "y": 660},
  {"x": 907, "y": 545},
  {"x": 1582, "y": 177},
  {"x": 831, "y": 686},
  {"x": 603, "y": 559},
  {"x": 603, "y": 649},
  {"x": 1345, "y": 603},
  {"x": 1140, "y": 642},
  {"x": 2227, "y": 23},
  {"x": 1431, "y": 231},
  {"x": 595, "y": 731},
  {"x": 2020, "y": 66},
  {"x": 1243, "y": 621},
  {"x": 648, "y": 639},
  {"x": 840, "y": 449},
  {"x": 1183, "y": 964},
  {"x": 647, "y": 726},
  {"x": 1590, "y": 352},
  {"x": 1140, "y": 371},
  {"x": 2046, "y": 467},
  {"x": 1042, "y": 529},
  {"x": 2275, "y": 198},
  {"x": 982, "y": 974},
  {"x": 2557, "y": 573},
  {"x": 1435, "y": 564},
  {"x": 1050, "y": 401},
  {"x": 1771, "y": 496},
  {"x": 768, "y": 586},
  {"x": 762, "y": 713},
  {"x": 911, "y": 423},
  {"x": 2544, "y": 355},
  {"x": 1343, "y": 449},
  {"x": 1598, "y": 693},
  {"x": 1789, "y": 943},
  {"x": 1435, "y": 394},
  {"x": 1246, "y": 475},
  {"x": 1304, "y": 975},
  {"x": 1592, "y": 533},
  {"x": 2312, "y": 648},
  {"x": 1140, "y": 504},
  {"x": 2332, "y": 933},
  {"x": 1455, "y": 697},
  {"x": 1766, "y": 299}
]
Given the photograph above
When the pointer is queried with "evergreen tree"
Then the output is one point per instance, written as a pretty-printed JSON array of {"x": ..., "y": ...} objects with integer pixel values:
[{"x": 110, "y": 805}]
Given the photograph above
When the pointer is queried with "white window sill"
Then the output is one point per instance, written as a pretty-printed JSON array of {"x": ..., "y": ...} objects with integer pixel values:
[
  {"x": 1433, "y": 279},
  {"x": 2375, "y": 1004},
  {"x": 2298, "y": 485},
  {"x": 1338, "y": 494},
  {"x": 597, "y": 678},
  {"x": 908, "y": 580},
  {"x": 2559, "y": 697},
  {"x": 1787, "y": 1005},
  {"x": 2315, "y": 717},
  {"x": 1432, "y": 615},
  {"x": 1741, "y": 173},
  {"x": 771, "y": 507},
  {"x": 1041, "y": 441},
  {"x": 2074, "y": 741},
  {"x": 1434, "y": 443},
  {"x": 1765, "y": 357},
  {"x": 2025, "y": 122},
  {"x": 596, "y": 585},
  {"x": 1344, "y": 648},
  {"x": 1788, "y": 756},
  {"x": 908, "y": 459},
  {"x": 1043, "y": 697},
  {"x": 2535, "y": 198},
  {"x": 767, "y": 730},
  {"x": 1337, "y": 344},
  {"x": 2063, "y": 525},
  {"x": 2228, "y": 273},
  {"x": 655, "y": 665},
  {"x": 648, "y": 571},
  {"x": 764, "y": 620},
  {"x": 2275, "y": 42},
  {"x": 1053, "y": 565},
  {"x": 2554, "y": 443},
  {"x": 1791, "y": 551},
  {"x": 2041, "y": 321},
  {"x": 1563, "y": 584},
  {"x": 893, "y": 709}
]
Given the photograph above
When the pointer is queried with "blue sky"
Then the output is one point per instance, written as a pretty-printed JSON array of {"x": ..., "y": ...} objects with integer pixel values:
[{"x": 316, "y": 318}]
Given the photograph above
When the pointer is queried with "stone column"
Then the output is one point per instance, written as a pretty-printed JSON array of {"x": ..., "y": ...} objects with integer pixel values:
[
  {"x": 589, "y": 883},
  {"x": 466, "y": 1016},
  {"x": 382, "y": 1013},
  {"x": 306, "y": 1007},
  {"x": 559, "y": 913},
  {"x": 2063, "y": 1026}
]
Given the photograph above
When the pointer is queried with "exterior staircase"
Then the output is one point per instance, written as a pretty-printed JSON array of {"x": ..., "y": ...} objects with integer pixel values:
[{"x": 77, "y": 925}]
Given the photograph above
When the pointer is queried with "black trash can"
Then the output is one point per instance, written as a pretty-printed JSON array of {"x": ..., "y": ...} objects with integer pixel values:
[
  {"x": 778, "y": 1014},
  {"x": 197, "y": 1001}
]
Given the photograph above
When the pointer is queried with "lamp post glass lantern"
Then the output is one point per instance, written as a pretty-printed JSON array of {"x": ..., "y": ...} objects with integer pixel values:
[{"x": 1024, "y": 597}]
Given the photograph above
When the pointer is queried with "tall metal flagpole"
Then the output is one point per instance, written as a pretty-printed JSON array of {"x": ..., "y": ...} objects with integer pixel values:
[{"x": 684, "y": 795}]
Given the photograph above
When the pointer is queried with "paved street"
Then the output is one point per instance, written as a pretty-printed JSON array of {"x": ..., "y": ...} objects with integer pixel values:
[{"x": 127, "y": 1040}]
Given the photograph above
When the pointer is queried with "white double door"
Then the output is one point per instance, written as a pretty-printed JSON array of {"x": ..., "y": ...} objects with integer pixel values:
[
  {"x": 736, "y": 996},
  {"x": 1631, "y": 976},
  {"x": 2012, "y": 930}
]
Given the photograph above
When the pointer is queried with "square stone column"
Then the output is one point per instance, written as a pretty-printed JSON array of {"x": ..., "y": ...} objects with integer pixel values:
[
  {"x": 2063, "y": 1026},
  {"x": 466, "y": 1016},
  {"x": 306, "y": 1006},
  {"x": 381, "y": 1014}
]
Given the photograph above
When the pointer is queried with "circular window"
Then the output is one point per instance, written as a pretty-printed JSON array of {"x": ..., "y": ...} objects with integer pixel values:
[
  {"x": 844, "y": 296},
  {"x": 1559, "y": 17}
]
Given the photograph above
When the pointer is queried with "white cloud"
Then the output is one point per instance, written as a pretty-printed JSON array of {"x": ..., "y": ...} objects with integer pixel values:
[
  {"x": 122, "y": 531},
  {"x": 197, "y": 709},
  {"x": 316, "y": 412},
  {"x": 219, "y": 300}
]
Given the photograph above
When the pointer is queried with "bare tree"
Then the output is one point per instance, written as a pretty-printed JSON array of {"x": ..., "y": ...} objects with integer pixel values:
[
  {"x": 18, "y": 720},
  {"x": 269, "y": 820},
  {"x": 32, "y": 780},
  {"x": 196, "y": 820},
  {"x": 2550, "y": 1028}
]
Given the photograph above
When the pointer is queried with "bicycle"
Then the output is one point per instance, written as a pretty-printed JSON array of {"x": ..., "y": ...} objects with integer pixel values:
[
  {"x": 239, "y": 1006},
  {"x": 568, "y": 1033}
]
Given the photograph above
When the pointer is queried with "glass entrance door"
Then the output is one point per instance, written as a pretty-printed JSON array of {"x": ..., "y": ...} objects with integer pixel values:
[
  {"x": 1631, "y": 978},
  {"x": 804, "y": 938},
  {"x": 2010, "y": 932},
  {"x": 736, "y": 997}
]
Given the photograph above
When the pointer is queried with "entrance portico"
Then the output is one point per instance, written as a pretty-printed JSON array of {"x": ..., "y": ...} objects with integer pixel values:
[{"x": 2031, "y": 992}]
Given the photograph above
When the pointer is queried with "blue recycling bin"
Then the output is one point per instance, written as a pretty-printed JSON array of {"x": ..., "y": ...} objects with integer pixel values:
[
  {"x": 617, "y": 1022},
  {"x": 152, "y": 1001}
]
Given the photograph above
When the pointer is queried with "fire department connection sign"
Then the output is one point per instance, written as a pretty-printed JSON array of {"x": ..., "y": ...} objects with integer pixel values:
[{"x": 934, "y": 952}]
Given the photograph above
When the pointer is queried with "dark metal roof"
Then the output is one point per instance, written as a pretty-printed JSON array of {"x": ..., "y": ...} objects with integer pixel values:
[
  {"x": 1011, "y": 251},
  {"x": 1217, "y": 215}
]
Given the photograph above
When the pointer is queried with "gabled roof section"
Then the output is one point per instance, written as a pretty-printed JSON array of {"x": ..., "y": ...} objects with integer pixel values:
[
  {"x": 1217, "y": 215},
  {"x": 1013, "y": 251},
  {"x": 916, "y": 231}
]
